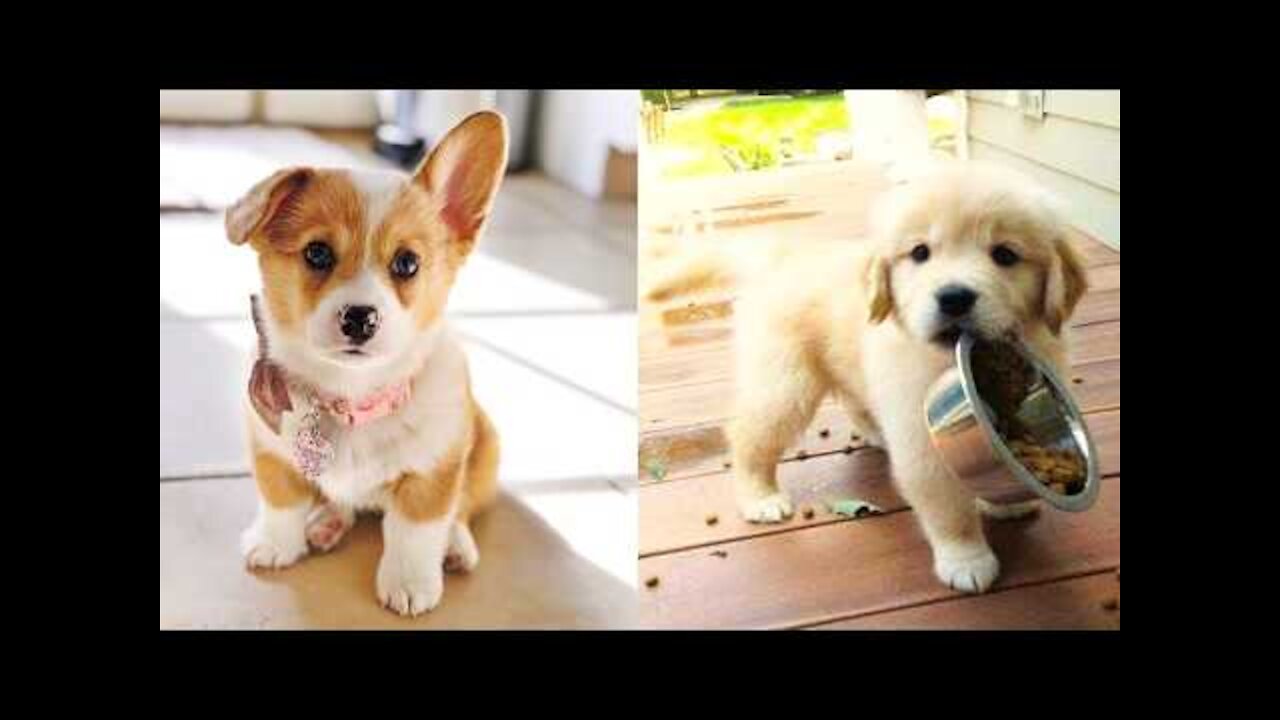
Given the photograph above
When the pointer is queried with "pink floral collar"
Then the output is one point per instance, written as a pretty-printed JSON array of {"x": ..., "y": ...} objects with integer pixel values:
[
  {"x": 379, "y": 404},
  {"x": 269, "y": 387}
]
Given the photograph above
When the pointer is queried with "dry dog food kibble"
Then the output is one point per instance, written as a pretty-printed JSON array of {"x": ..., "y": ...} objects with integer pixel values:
[
  {"x": 1004, "y": 379},
  {"x": 651, "y": 582},
  {"x": 1062, "y": 470}
]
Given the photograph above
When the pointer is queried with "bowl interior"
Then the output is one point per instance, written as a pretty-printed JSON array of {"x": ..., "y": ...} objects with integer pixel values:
[{"x": 1032, "y": 421}]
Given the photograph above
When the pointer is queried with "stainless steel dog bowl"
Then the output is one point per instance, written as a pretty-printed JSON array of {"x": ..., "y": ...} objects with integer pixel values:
[{"x": 963, "y": 430}]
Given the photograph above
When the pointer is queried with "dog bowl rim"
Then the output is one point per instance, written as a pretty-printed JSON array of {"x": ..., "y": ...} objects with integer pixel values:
[{"x": 1082, "y": 500}]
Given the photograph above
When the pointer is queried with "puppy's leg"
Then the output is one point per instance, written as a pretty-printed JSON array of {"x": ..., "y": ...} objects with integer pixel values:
[
  {"x": 327, "y": 524},
  {"x": 410, "y": 575},
  {"x": 278, "y": 536},
  {"x": 1011, "y": 511},
  {"x": 776, "y": 396},
  {"x": 415, "y": 536},
  {"x": 947, "y": 510}
]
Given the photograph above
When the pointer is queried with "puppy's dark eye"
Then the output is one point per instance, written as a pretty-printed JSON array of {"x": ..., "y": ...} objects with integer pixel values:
[
  {"x": 404, "y": 265},
  {"x": 1003, "y": 256},
  {"x": 319, "y": 256},
  {"x": 920, "y": 253}
]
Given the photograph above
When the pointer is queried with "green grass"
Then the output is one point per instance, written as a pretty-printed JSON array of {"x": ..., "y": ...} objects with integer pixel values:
[
  {"x": 753, "y": 128},
  {"x": 750, "y": 127}
]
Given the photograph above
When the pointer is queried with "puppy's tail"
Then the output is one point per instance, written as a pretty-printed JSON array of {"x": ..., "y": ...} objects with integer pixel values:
[
  {"x": 713, "y": 265},
  {"x": 702, "y": 268}
]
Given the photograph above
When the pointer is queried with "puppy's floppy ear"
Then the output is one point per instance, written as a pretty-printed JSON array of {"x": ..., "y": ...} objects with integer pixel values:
[
  {"x": 464, "y": 171},
  {"x": 264, "y": 201},
  {"x": 1065, "y": 283},
  {"x": 881, "y": 291}
]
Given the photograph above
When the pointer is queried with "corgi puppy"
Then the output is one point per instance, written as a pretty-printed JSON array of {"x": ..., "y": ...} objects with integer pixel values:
[{"x": 360, "y": 397}]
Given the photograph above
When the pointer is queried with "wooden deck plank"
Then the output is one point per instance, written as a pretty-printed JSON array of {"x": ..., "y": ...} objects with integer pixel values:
[
  {"x": 706, "y": 324},
  {"x": 667, "y": 408},
  {"x": 1097, "y": 307},
  {"x": 834, "y": 203},
  {"x": 674, "y": 513},
  {"x": 838, "y": 571},
  {"x": 1074, "y": 604},
  {"x": 1093, "y": 251},
  {"x": 1099, "y": 341},
  {"x": 703, "y": 449},
  {"x": 1104, "y": 277},
  {"x": 714, "y": 360}
]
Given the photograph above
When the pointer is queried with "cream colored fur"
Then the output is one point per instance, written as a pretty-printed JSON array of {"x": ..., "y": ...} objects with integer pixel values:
[{"x": 858, "y": 320}]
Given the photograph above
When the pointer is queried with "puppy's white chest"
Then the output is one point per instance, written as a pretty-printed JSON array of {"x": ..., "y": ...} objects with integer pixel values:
[
  {"x": 368, "y": 457},
  {"x": 365, "y": 458}
]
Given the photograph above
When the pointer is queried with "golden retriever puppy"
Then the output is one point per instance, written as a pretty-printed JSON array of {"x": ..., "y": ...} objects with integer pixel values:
[{"x": 965, "y": 248}]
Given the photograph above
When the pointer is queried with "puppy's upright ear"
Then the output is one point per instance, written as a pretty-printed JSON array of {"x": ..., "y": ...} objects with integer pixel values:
[
  {"x": 880, "y": 287},
  {"x": 464, "y": 171},
  {"x": 264, "y": 201},
  {"x": 1065, "y": 283}
]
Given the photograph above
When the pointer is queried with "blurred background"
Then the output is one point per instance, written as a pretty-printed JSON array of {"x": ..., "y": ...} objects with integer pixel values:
[
  {"x": 546, "y": 306},
  {"x": 1068, "y": 140}
]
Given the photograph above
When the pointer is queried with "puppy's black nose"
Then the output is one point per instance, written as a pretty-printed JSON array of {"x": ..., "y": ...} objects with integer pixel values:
[
  {"x": 359, "y": 322},
  {"x": 956, "y": 300}
]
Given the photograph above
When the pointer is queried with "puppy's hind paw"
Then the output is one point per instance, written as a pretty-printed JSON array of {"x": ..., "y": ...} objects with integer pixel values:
[
  {"x": 462, "y": 556},
  {"x": 1012, "y": 511},
  {"x": 327, "y": 526}
]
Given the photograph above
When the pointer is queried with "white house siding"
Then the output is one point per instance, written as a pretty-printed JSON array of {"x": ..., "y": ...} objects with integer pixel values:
[{"x": 1074, "y": 150}]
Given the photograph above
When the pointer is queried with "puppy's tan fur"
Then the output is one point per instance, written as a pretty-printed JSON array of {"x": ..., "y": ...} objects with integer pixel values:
[
  {"x": 466, "y": 478},
  {"x": 857, "y": 320}
]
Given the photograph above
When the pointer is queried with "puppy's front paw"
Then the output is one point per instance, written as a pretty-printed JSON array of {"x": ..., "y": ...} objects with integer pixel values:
[
  {"x": 970, "y": 572},
  {"x": 264, "y": 549},
  {"x": 769, "y": 509},
  {"x": 409, "y": 590}
]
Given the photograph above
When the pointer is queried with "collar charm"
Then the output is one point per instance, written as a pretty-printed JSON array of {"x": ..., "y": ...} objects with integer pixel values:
[{"x": 313, "y": 443}]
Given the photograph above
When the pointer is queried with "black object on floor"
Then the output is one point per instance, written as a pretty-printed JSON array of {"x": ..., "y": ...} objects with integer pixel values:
[
  {"x": 399, "y": 142},
  {"x": 398, "y": 146}
]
